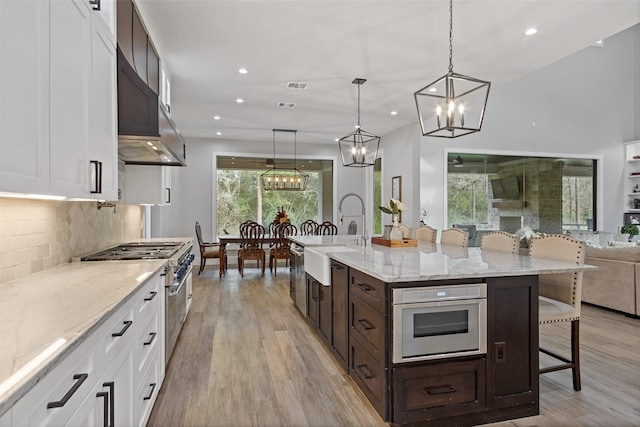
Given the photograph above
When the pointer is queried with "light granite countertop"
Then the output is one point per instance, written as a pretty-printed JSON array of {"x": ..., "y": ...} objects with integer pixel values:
[
  {"x": 430, "y": 261},
  {"x": 69, "y": 301}
]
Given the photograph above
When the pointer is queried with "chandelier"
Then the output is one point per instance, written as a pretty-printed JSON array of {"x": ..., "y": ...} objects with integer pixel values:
[
  {"x": 454, "y": 104},
  {"x": 284, "y": 179},
  {"x": 359, "y": 148}
]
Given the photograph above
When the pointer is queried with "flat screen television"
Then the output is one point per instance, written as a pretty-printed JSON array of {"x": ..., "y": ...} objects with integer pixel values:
[{"x": 505, "y": 188}]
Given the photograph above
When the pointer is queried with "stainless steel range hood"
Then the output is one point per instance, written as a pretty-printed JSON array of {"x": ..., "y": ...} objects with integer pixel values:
[
  {"x": 168, "y": 148},
  {"x": 146, "y": 133}
]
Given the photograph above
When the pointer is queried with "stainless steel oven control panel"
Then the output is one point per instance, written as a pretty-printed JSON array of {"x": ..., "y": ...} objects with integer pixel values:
[{"x": 439, "y": 293}]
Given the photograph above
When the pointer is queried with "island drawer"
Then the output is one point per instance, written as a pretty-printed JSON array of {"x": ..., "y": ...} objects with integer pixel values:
[
  {"x": 369, "y": 374},
  {"x": 370, "y": 290},
  {"x": 369, "y": 324},
  {"x": 438, "y": 390}
]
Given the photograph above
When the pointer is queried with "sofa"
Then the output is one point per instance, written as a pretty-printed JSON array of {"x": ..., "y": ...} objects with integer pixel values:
[{"x": 616, "y": 283}]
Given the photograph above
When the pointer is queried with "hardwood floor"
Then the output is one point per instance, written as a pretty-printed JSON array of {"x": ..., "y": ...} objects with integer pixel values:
[{"x": 246, "y": 357}]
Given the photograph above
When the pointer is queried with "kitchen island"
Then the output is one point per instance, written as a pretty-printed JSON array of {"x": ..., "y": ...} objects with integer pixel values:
[{"x": 496, "y": 381}]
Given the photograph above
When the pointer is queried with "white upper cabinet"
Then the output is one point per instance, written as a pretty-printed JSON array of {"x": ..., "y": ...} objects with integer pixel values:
[
  {"x": 147, "y": 185},
  {"x": 59, "y": 94},
  {"x": 24, "y": 96}
]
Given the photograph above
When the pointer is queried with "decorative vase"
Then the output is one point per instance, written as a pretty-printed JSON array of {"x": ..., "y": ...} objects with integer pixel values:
[{"x": 396, "y": 232}]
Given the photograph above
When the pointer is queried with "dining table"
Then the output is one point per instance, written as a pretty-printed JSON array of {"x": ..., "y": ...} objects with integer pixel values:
[{"x": 235, "y": 238}]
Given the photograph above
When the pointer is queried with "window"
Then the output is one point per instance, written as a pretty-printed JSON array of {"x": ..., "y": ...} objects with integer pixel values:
[
  {"x": 240, "y": 196},
  {"x": 506, "y": 192}
]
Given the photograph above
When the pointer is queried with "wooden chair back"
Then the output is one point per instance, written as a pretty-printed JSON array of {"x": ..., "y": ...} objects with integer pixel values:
[
  {"x": 455, "y": 236},
  {"x": 282, "y": 233},
  {"x": 327, "y": 228},
  {"x": 308, "y": 228}
]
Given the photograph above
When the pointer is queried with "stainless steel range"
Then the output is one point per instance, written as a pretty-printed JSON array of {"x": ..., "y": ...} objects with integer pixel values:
[{"x": 178, "y": 278}]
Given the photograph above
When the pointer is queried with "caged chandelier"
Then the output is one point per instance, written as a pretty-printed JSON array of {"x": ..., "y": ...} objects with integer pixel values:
[
  {"x": 454, "y": 104},
  {"x": 359, "y": 148},
  {"x": 284, "y": 179}
]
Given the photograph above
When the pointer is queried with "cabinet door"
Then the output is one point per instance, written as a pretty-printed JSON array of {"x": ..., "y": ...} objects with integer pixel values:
[
  {"x": 110, "y": 401},
  {"x": 512, "y": 341},
  {"x": 107, "y": 14},
  {"x": 324, "y": 312},
  {"x": 147, "y": 185},
  {"x": 104, "y": 144},
  {"x": 70, "y": 96},
  {"x": 340, "y": 310},
  {"x": 24, "y": 104},
  {"x": 312, "y": 300}
]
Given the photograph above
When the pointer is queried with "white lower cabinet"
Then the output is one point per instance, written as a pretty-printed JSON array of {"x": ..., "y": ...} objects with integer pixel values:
[
  {"x": 54, "y": 400},
  {"x": 112, "y": 378}
]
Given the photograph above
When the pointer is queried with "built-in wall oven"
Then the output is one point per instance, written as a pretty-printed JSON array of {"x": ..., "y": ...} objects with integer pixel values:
[{"x": 436, "y": 322}]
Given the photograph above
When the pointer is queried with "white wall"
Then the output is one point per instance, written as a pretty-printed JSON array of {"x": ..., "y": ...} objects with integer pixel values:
[
  {"x": 193, "y": 195},
  {"x": 585, "y": 104}
]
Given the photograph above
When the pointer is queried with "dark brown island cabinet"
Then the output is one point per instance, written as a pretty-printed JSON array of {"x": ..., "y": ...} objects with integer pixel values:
[{"x": 354, "y": 318}]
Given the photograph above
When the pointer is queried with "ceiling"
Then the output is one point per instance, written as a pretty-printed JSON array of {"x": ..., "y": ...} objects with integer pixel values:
[{"x": 399, "y": 46}]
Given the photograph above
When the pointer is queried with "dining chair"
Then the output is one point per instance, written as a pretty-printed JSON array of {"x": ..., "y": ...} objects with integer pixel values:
[
  {"x": 426, "y": 234},
  {"x": 500, "y": 241},
  {"x": 469, "y": 228},
  {"x": 560, "y": 296},
  {"x": 327, "y": 228},
  {"x": 251, "y": 238},
  {"x": 454, "y": 236},
  {"x": 352, "y": 228},
  {"x": 282, "y": 244},
  {"x": 308, "y": 228},
  {"x": 209, "y": 250}
]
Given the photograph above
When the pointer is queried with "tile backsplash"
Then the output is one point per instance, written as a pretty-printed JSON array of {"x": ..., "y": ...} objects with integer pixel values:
[{"x": 38, "y": 234}]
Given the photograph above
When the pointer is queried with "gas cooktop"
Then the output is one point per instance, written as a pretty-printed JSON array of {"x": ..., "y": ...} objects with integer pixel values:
[{"x": 136, "y": 250}]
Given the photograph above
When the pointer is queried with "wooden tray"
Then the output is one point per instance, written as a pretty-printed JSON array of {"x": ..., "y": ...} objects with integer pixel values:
[{"x": 404, "y": 243}]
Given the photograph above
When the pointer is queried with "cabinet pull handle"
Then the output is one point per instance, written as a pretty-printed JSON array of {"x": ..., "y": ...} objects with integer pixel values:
[
  {"x": 168, "y": 195},
  {"x": 151, "y": 296},
  {"x": 364, "y": 373},
  {"x": 366, "y": 325},
  {"x": 314, "y": 290},
  {"x": 152, "y": 336},
  {"x": 95, "y": 4},
  {"x": 363, "y": 287},
  {"x": 440, "y": 390},
  {"x": 112, "y": 402},
  {"x": 105, "y": 412},
  {"x": 97, "y": 167},
  {"x": 79, "y": 378},
  {"x": 126, "y": 323},
  {"x": 153, "y": 387}
]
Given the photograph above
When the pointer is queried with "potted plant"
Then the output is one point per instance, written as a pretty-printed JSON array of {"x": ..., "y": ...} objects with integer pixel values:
[{"x": 630, "y": 229}]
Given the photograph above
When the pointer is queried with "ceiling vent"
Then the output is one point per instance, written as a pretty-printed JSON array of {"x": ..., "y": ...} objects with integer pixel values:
[
  {"x": 286, "y": 105},
  {"x": 296, "y": 85}
]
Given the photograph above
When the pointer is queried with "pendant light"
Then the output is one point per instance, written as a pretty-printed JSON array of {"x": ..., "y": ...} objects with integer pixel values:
[
  {"x": 284, "y": 179},
  {"x": 454, "y": 104},
  {"x": 359, "y": 148}
]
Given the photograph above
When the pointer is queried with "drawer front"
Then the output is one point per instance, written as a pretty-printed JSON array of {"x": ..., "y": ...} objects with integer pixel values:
[
  {"x": 64, "y": 389},
  {"x": 438, "y": 390},
  {"x": 369, "y": 374},
  {"x": 370, "y": 290},
  {"x": 117, "y": 331},
  {"x": 147, "y": 392},
  {"x": 148, "y": 299},
  {"x": 148, "y": 341},
  {"x": 369, "y": 324}
]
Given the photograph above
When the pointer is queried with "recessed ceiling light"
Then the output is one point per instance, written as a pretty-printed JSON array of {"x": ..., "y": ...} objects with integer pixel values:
[
  {"x": 239, "y": 100},
  {"x": 216, "y": 117},
  {"x": 530, "y": 31},
  {"x": 394, "y": 113},
  {"x": 218, "y": 133},
  {"x": 243, "y": 71},
  {"x": 432, "y": 89}
]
